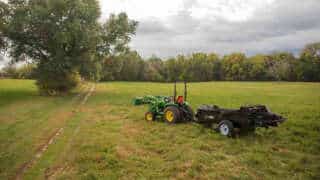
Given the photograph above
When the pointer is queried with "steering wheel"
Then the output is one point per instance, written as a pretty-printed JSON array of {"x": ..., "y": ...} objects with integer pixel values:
[{"x": 167, "y": 99}]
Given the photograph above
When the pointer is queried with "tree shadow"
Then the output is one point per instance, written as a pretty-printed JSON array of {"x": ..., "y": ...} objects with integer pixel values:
[{"x": 11, "y": 96}]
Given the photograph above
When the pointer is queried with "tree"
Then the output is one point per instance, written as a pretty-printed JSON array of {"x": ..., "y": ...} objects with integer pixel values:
[
  {"x": 63, "y": 37},
  {"x": 131, "y": 65},
  {"x": 173, "y": 72},
  {"x": 216, "y": 66},
  {"x": 258, "y": 68},
  {"x": 154, "y": 69},
  {"x": 3, "y": 24},
  {"x": 110, "y": 69},
  {"x": 235, "y": 67},
  {"x": 284, "y": 65},
  {"x": 309, "y": 65},
  {"x": 115, "y": 35},
  {"x": 200, "y": 69},
  {"x": 58, "y": 35},
  {"x": 311, "y": 52}
]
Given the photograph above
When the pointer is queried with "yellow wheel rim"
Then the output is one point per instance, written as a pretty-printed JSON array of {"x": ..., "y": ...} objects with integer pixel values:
[
  {"x": 169, "y": 116},
  {"x": 149, "y": 117}
]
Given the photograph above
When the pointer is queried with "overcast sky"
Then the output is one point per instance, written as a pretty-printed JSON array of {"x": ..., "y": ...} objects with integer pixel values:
[{"x": 171, "y": 27}]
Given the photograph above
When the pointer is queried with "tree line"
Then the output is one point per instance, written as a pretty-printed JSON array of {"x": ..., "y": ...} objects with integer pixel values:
[
  {"x": 130, "y": 66},
  {"x": 280, "y": 66}
]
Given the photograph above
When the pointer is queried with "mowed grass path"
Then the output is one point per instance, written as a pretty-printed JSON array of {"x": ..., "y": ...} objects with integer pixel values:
[{"x": 107, "y": 137}]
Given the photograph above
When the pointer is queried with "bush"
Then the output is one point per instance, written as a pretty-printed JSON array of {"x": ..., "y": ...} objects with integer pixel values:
[{"x": 52, "y": 84}]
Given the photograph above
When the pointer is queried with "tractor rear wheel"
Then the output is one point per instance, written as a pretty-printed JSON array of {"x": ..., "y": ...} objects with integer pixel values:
[
  {"x": 190, "y": 112},
  {"x": 171, "y": 114},
  {"x": 149, "y": 116}
]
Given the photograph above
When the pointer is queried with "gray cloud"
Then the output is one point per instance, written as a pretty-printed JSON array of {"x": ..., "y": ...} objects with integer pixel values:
[
  {"x": 152, "y": 27},
  {"x": 285, "y": 25}
]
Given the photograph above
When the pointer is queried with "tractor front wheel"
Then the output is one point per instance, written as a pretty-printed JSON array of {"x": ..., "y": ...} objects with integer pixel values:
[
  {"x": 171, "y": 114},
  {"x": 149, "y": 116}
]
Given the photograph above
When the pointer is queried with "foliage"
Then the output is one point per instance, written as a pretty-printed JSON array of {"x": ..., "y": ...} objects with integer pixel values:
[
  {"x": 309, "y": 67},
  {"x": 235, "y": 66},
  {"x": 50, "y": 84},
  {"x": 279, "y": 66},
  {"x": 58, "y": 35},
  {"x": 153, "y": 69},
  {"x": 63, "y": 37},
  {"x": 3, "y": 23},
  {"x": 284, "y": 65},
  {"x": 128, "y": 67},
  {"x": 115, "y": 35},
  {"x": 258, "y": 66}
]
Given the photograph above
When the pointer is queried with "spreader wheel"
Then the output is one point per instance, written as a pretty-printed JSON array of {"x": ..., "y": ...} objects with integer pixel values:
[
  {"x": 226, "y": 128},
  {"x": 171, "y": 114},
  {"x": 149, "y": 116}
]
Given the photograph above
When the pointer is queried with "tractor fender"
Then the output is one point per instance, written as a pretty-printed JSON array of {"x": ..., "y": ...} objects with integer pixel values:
[{"x": 170, "y": 104}]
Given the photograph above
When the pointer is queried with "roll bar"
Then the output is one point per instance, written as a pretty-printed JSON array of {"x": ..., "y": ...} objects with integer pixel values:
[{"x": 175, "y": 91}]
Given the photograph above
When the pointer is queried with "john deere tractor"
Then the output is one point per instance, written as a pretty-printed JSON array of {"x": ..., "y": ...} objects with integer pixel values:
[{"x": 172, "y": 109}]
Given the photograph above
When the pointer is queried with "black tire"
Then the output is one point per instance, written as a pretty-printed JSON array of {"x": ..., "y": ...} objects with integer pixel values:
[
  {"x": 226, "y": 128},
  {"x": 171, "y": 114},
  {"x": 149, "y": 116}
]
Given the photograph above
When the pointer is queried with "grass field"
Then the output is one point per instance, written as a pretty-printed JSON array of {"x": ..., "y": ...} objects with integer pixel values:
[{"x": 106, "y": 137}]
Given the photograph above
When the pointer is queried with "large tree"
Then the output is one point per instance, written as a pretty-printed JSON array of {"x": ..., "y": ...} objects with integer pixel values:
[
  {"x": 59, "y": 35},
  {"x": 63, "y": 37},
  {"x": 309, "y": 66}
]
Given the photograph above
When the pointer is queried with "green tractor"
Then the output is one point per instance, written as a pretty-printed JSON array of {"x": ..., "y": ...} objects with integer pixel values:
[{"x": 172, "y": 109}]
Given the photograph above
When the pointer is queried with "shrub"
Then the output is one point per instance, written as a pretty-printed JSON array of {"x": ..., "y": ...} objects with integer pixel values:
[{"x": 52, "y": 84}]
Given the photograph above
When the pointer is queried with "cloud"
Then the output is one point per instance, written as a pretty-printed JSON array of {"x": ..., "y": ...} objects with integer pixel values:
[
  {"x": 171, "y": 27},
  {"x": 285, "y": 25}
]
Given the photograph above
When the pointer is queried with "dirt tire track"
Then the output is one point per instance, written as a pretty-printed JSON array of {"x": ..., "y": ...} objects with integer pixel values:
[
  {"x": 56, "y": 171},
  {"x": 38, "y": 155},
  {"x": 88, "y": 95},
  {"x": 43, "y": 148}
]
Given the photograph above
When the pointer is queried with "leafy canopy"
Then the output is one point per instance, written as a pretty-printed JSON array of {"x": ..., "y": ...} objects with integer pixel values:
[{"x": 62, "y": 37}]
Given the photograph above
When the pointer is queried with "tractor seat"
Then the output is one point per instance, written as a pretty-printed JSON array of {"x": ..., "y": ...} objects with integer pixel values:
[{"x": 180, "y": 100}]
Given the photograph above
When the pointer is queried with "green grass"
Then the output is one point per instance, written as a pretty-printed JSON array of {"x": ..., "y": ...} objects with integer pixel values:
[{"x": 108, "y": 138}]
